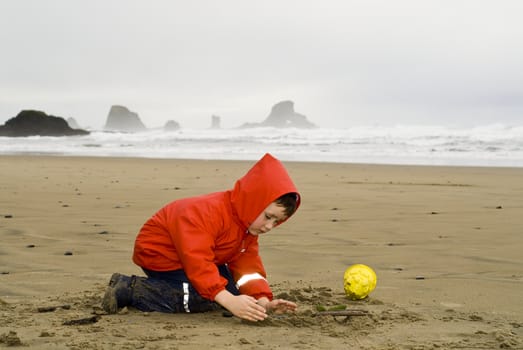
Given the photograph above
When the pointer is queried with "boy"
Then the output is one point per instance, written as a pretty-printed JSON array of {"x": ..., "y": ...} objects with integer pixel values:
[{"x": 202, "y": 252}]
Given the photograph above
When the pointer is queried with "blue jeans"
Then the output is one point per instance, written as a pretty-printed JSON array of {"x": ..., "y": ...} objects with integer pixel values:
[
  {"x": 179, "y": 276},
  {"x": 170, "y": 291}
]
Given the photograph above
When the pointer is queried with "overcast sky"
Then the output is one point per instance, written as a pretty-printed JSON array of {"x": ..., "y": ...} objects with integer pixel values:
[{"x": 343, "y": 63}]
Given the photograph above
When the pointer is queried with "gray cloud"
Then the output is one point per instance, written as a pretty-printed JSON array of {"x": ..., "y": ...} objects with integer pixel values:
[{"x": 342, "y": 62}]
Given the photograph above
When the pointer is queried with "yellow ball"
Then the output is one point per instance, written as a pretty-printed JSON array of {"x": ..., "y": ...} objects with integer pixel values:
[{"x": 358, "y": 281}]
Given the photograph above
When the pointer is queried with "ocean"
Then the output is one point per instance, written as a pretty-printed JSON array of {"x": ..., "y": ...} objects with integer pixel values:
[{"x": 489, "y": 145}]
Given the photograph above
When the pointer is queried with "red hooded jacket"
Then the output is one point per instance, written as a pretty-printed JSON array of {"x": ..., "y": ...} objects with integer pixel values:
[{"x": 198, "y": 233}]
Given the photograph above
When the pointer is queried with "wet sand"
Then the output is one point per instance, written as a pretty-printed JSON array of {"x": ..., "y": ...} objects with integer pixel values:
[{"x": 445, "y": 243}]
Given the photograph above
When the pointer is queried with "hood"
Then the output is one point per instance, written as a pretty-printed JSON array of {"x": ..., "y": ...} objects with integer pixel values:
[{"x": 263, "y": 184}]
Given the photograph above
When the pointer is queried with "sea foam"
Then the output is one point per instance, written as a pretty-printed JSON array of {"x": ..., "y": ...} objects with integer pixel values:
[{"x": 490, "y": 145}]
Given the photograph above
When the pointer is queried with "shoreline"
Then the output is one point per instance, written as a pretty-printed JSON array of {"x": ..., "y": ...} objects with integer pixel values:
[
  {"x": 134, "y": 157},
  {"x": 457, "y": 227}
]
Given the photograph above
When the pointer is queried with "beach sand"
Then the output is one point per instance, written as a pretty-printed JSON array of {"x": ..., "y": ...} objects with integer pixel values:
[{"x": 446, "y": 244}]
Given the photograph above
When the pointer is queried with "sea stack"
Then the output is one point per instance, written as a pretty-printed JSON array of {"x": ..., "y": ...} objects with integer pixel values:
[
  {"x": 120, "y": 118},
  {"x": 38, "y": 123},
  {"x": 283, "y": 116},
  {"x": 215, "y": 122},
  {"x": 171, "y": 125}
]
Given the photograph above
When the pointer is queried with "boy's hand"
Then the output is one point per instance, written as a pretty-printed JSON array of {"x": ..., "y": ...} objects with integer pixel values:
[
  {"x": 278, "y": 306},
  {"x": 242, "y": 306}
]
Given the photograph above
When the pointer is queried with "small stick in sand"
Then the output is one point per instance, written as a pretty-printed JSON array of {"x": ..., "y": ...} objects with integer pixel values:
[
  {"x": 53, "y": 308},
  {"x": 81, "y": 321},
  {"x": 353, "y": 312}
]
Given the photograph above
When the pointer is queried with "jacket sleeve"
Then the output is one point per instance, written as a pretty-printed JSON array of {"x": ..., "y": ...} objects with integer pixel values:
[
  {"x": 249, "y": 273},
  {"x": 193, "y": 237}
]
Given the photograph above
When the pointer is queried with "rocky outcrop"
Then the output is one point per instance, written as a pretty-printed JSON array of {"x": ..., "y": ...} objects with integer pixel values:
[
  {"x": 216, "y": 122},
  {"x": 283, "y": 116},
  {"x": 171, "y": 125},
  {"x": 122, "y": 119},
  {"x": 33, "y": 123},
  {"x": 72, "y": 123}
]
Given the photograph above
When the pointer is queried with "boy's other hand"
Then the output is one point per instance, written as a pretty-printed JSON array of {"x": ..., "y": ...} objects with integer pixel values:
[{"x": 280, "y": 306}]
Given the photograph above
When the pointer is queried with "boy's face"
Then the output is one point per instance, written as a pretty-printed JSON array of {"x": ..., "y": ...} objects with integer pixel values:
[{"x": 270, "y": 217}]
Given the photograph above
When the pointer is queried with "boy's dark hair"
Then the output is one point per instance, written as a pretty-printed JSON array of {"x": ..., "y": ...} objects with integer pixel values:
[{"x": 289, "y": 201}]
